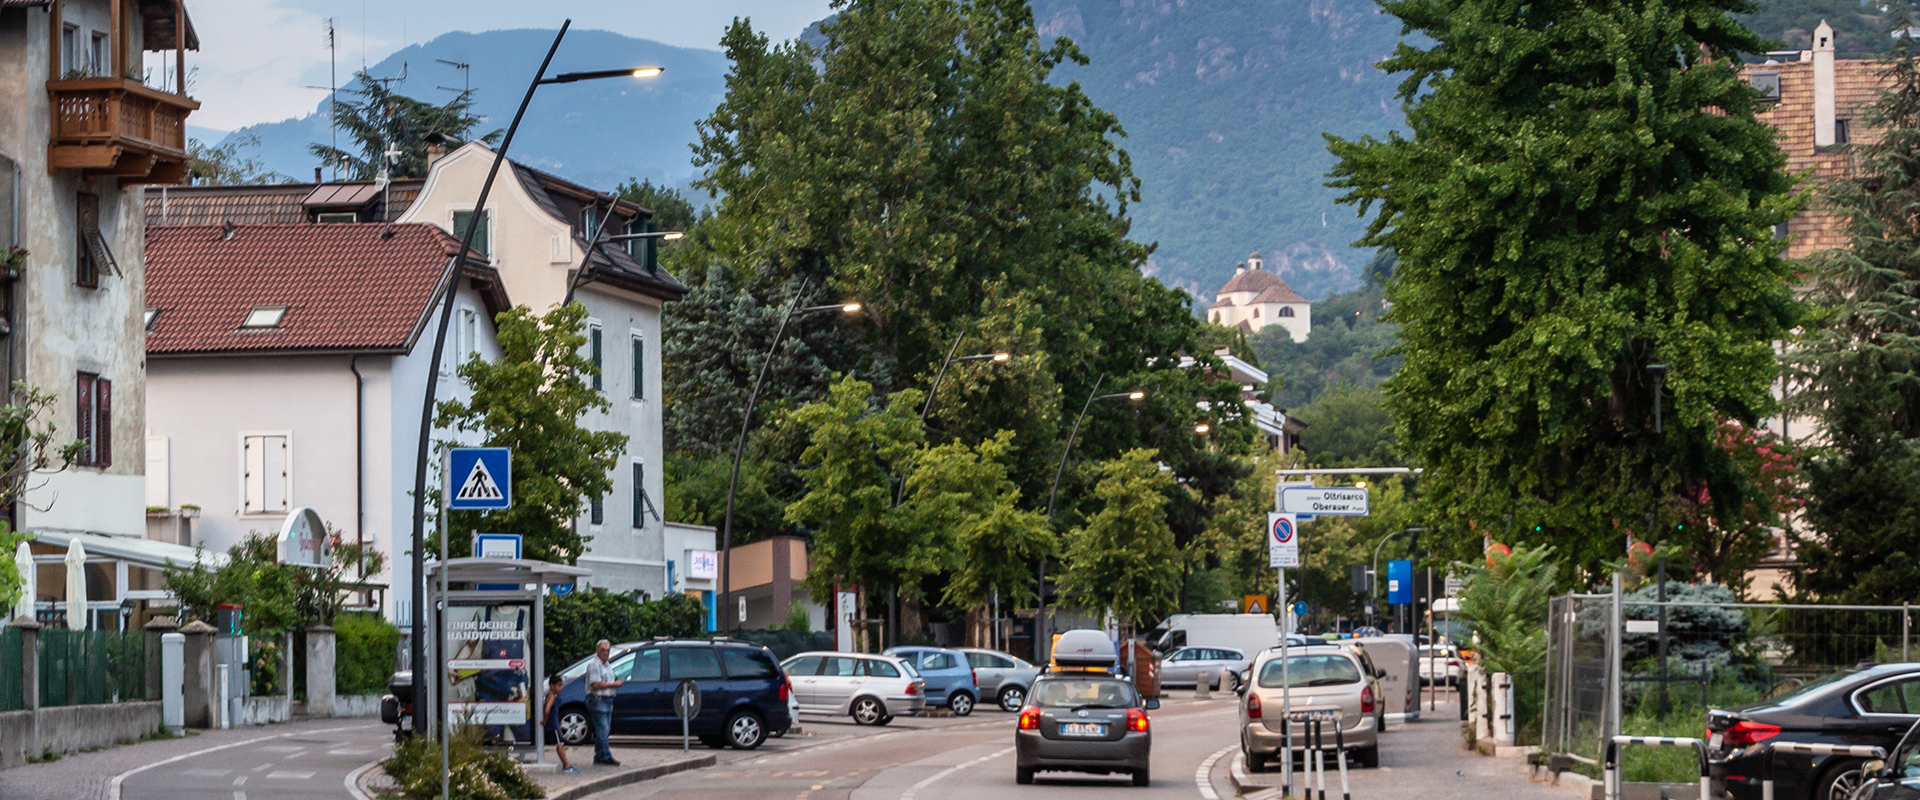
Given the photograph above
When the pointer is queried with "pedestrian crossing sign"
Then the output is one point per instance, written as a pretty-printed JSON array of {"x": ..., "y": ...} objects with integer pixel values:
[{"x": 483, "y": 478}]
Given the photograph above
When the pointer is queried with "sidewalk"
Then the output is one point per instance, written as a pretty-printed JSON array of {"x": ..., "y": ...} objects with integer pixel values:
[
  {"x": 638, "y": 762},
  {"x": 88, "y": 776}
]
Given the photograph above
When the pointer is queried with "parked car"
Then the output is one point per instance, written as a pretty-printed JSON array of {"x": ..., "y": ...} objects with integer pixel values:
[
  {"x": 1442, "y": 661},
  {"x": 948, "y": 675},
  {"x": 1003, "y": 679},
  {"x": 1331, "y": 682},
  {"x": 1898, "y": 776},
  {"x": 1872, "y": 705},
  {"x": 873, "y": 689},
  {"x": 743, "y": 692},
  {"x": 1083, "y": 721},
  {"x": 1186, "y": 666}
]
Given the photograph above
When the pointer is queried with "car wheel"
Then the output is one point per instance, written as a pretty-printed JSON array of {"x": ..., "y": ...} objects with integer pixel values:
[
  {"x": 574, "y": 728},
  {"x": 745, "y": 731},
  {"x": 1255, "y": 761},
  {"x": 869, "y": 711},
  {"x": 1142, "y": 777},
  {"x": 884, "y": 720},
  {"x": 1369, "y": 757},
  {"x": 1023, "y": 775},
  {"x": 1839, "y": 783},
  {"x": 961, "y": 704},
  {"x": 1013, "y": 698}
]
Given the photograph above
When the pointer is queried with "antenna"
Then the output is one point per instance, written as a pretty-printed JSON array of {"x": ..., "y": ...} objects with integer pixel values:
[
  {"x": 333, "y": 90},
  {"x": 466, "y": 72}
]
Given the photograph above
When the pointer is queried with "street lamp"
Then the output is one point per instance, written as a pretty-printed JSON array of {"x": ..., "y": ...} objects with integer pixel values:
[
  {"x": 997, "y": 358},
  {"x": 1040, "y": 603},
  {"x": 448, "y": 281},
  {"x": 740, "y": 444}
]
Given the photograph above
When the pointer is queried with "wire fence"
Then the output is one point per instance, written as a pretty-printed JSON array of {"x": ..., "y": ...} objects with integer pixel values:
[{"x": 80, "y": 668}]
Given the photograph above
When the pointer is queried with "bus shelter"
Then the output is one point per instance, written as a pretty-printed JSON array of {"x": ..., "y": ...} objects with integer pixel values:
[{"x": 491, "y": 620}]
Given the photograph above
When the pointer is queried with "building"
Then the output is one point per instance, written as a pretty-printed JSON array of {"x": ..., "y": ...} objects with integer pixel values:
[
  {"x": 79, "y": 144},
  {"x": 535, "y": 232},
  {"x": 1256, "y": 298},
  {"x": 287, "y": 365},
  {"x": 1281, "y": 431},
  {"x": 1817, "y": 102}
]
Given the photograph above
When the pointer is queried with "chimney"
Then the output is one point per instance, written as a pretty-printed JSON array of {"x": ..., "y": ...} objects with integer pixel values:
[
  {"x": 1253, "y": 260},
  {"x": 435, "y": 152},
  {"x": 316, "y": 176},
  {"x": 1823, "y": 112},
  {"x": 1239, "y": 269}
]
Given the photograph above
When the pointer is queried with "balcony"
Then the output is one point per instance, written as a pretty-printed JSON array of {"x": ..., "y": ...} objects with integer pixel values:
[{"x": 119, "y": 127}]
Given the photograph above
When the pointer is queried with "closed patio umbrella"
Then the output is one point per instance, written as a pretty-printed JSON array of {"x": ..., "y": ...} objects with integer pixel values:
[
  {"x": 76, "y": 586},
  {"x": 23, "y": 561}
]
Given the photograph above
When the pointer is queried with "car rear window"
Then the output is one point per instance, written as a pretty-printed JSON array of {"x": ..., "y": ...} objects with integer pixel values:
[
  {"x": 1810, "y": 688},
  {"x": 1070, "y": 692},
  {"x": 692, "y": 663},
  {"x": 987, "y": 661},
  {"x": 1311, "y": 670},
  {"x": 748, "y": 664},
  {"x": 880, "y": 669}
]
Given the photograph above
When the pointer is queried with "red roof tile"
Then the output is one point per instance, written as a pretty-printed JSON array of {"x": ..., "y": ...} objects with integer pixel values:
[
  {"x": 1857, "y": 83},
  {"x": 1253, "y": 280},
  {"x": 1278, "y": 294},
  {"x": 345, "y": 287}
]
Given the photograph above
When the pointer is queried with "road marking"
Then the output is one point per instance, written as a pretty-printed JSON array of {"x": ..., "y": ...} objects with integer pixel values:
[
  {"x": 282, "y": 748},
  {"x": 1203, "y": 777},
  {"x": 206, "y": 773},
  {"x": 113, "y": 787},
  {"x": 350, "y": 751},
  {"x": 292, "y": 775},
  {"x": 353, "y": 781},
  {"x": 915, "y": 789},
  {"x": 239, "y": 796},
  {"x": 268, "y": 765},
  {"x": 240, "y": 781}
]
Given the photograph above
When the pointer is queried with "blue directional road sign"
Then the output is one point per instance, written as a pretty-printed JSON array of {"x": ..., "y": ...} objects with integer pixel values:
[
  {"x": 1300, "y": 608},
  {"x": 1400, "y": 581},
  {"x": 482, "y": 478}
]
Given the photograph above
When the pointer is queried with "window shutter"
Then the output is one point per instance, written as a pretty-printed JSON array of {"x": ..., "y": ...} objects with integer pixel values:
[
  {"x": 593, "y": 345},
  {"x": 639, "y": 368},
  {"x": 103, "y": 422},
  {"x": 83, "y": 417}
]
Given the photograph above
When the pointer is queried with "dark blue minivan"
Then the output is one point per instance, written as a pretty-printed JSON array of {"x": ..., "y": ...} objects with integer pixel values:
[{"x": 743, "y": 693}]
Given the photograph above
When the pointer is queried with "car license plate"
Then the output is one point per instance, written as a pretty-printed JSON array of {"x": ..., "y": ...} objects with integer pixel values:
[
  {"x": 1083, "y": 729},
  {"x": 1304, "y": 716},
  {"x": 1713, "y": 744}
]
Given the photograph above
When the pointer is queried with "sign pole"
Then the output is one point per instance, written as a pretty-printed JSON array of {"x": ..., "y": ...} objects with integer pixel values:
[{"x": 440, "y": 628}]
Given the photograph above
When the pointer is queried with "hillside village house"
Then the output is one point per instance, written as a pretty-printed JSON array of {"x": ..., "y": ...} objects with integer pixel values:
[
  {"x": 79, "y": 144},
  {"x": 1256, "y": 298}
]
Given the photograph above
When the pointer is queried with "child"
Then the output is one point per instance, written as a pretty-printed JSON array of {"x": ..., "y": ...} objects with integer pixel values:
[{"x": 553, "y": 722}]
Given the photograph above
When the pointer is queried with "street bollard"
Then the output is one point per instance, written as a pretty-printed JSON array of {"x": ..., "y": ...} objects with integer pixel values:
[
  {"x": 1766, "y": 765},
  {"x": 1286, "y": 758},
  {"x": 1201, "y": 691},
  {"x": 1612, "y": 774},
  {"x": 220, "y": 682},
  {"x": 1319, "y": 756},
  {"x": 1340, "y": 748}
]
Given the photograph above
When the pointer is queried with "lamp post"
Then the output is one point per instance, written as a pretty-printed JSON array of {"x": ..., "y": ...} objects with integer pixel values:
[
  {"x": 449, "y": 283},
  {"x": 740, "y": 444},
  {"x": 1040, "y": 601}
]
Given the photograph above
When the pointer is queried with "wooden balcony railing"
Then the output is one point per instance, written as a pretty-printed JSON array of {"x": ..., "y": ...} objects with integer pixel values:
[{"x": 119, "y": 126}]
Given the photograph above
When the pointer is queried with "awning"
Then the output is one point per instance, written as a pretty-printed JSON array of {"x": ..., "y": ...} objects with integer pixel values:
[
  {"x": 505, "y": 571},
  {"x": 141, "y": 552}
]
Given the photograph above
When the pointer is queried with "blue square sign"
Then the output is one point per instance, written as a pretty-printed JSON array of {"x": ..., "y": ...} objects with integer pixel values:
[{"x": 482, "y": 478}]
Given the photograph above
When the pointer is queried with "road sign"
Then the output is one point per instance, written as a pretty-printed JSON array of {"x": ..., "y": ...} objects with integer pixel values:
[
  {"x": 1283, "y": 541},
  {"x": 1253, "y": 604},
  {"x": 686, "y": 705},
  {"x": 1324, "y": 501},
  {"x": 1300, "y": 608},
  {"x": 483, "y": 478},
  {"x": 1400, "y": 581},
  {"x": 496, "y": 545}
]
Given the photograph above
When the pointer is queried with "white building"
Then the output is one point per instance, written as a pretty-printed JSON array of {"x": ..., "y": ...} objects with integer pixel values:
[
  {"x": 286, "y": 369},
  {"x": 536, "y": 231},
  {"x": 1256, "y": 298}
]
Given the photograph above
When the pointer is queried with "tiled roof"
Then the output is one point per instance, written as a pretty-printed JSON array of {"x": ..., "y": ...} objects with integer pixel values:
[
  {"x": 346, "y": 287},
  {"x": 1279, "y": 294},
  {"x": 1856, "y": 85},
  {"x": 1253, "y": 280},
  {"x": 271, "y": 203}
]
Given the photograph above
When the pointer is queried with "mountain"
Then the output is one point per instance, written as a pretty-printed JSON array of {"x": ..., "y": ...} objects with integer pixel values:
[{"x": 596, "y": 132}]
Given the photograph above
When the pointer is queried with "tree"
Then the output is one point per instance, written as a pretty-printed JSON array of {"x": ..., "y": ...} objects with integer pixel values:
[
  {"x": 382, "y": 119},
  {"x": 1348, "y": 427},
  {"x": 1855, "y": 369},
  {"x": 1124, "y": 559},
  {"x": 226, "y": 164},
  {"x": 963, "y": 493},
  {"x": 1585, "y": 193},
  {"x": 672, "y": 211},
  {"x": 26, "y": 450},
  {"x": 531, "y": 399}
]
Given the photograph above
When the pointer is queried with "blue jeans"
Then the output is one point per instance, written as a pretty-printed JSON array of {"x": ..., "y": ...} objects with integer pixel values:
[{"x": 600, "y": 713}]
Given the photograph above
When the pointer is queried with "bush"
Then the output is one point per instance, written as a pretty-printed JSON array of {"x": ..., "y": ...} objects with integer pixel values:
[
  {"x": 785, "y": 643},
  {"x": 474, "y": 774},
  {"x": 365, "y": 647},
  {"x": 576, "y": 621}
]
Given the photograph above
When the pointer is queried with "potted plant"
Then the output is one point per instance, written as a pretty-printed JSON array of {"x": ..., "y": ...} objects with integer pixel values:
[{"x": 13, "y": 260}]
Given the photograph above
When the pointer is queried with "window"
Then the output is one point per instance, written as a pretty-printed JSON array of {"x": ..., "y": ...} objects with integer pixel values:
[
  {"x": 747, "y": 664},
  {"x": 99, "y": 55},
  {"x": 152, "y": 314},
  {"x": 634, "y": 245},
  {"x": 71, "y": 58},
  {"x": 1768, "y": 84},
  {"x": 333, "y": 218},
  {"x": 1327, "y": 670},
  {"x": 692, "y": 663},
  {"x": 639, "y": 367},
  {"x": 1256, "y": 312},
  {"x": 881, "y": 669},
  {"x": 593, "y": 354},
  {"x": 93, "y": 421},
  {"x": 597, "y": 510},
  {"x": 482, "y": 237},
  {"x": 1285, "y": 311},
  {"x": 840, "y": 667},
  {"x": 265, "y": 463},
  {"x": 589, "y": 222},
  {"x": 469, "y": 334},
  {"x": 646, "y": 666},
  {"x": 642, "y": 504},
  {"x": 1840, "y": 131},
  {"x": 806, "y": 665},
  {"x": 988, "y": 661},
  {"x": 86, "y": 223},
  {"x": 1900, "y": 697},
  {"x": 264, "y": 317},
  {"x": 936, "y": 661}
]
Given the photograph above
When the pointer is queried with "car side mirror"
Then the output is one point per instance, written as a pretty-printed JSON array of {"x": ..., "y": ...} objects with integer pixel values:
[
  {"x": 1874, "y": 767},
  {"x": 1379, "y": 673},
  {"x": 1151, "y": 704}
]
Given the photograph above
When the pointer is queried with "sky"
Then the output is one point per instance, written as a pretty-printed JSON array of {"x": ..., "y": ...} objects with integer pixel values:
[{"x": 259, "y": 59}]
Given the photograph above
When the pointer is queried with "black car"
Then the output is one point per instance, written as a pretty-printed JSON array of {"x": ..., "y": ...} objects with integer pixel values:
[
  {"x": 1871, "y": 705},
  {"x": 1897, "y": 777},
  {"x": 743, "y": 692}
]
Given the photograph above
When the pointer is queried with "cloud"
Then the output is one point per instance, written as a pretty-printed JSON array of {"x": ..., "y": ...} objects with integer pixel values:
[{"x": 258, "y": 56}]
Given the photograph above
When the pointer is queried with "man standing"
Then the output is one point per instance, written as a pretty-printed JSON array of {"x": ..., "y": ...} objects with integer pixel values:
[{"x": 601, "y": 686}]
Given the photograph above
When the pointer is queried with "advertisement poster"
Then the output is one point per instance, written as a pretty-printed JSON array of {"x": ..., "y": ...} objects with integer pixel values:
[{"x": 487, "y": 669}]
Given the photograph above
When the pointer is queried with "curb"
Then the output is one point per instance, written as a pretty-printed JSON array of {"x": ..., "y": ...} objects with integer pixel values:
[
  {"x": 1244, "y": 781},
  {"x": 620, "y": 779}
]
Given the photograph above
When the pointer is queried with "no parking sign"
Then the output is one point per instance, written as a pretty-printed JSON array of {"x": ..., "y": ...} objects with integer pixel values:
[{"x": 1283, "y": 541}]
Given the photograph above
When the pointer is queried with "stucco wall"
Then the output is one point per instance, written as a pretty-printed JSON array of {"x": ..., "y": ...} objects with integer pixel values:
[
  {"x": 71, "y": 729},
  {"x": 523, "y": 236}
]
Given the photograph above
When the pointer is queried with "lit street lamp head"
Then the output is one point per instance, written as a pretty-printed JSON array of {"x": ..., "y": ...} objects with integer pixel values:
[
  {"x": 1202, "y": 428},
  {"x": 670, "y": 236},
  {"x": 1136, "y": 395},
  {"x": 630, "y": 72},
  {"x": 1002, "y": 357},
  {"x": 648, "y": 72}
]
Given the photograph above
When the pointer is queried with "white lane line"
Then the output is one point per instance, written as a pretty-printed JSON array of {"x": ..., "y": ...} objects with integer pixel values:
[
  {"x": 268, "y": 765},
  {"x": 1203, "y": 777},
  {"x": 353, "y": 781},
  {"x": 288, "y": 774},
  {"x": 240, "y": 781},
  {"x": 915, "y": 789},
  {"x": 206, "y": 773},
  {"x": 283, "y": 748},
  {"x": 239, "y": 796},
  {"x": 351, "y": 751},
  {"x": 113, "y": 787}
]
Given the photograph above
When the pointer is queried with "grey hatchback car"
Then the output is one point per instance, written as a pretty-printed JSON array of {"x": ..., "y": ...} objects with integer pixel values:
[
  {"x": 1084, "y": 722},
  {"x": 1003, "y": 678}
]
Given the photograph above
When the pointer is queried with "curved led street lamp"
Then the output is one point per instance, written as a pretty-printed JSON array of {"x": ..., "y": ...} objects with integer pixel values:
[{"x": 1040, "y": 602}]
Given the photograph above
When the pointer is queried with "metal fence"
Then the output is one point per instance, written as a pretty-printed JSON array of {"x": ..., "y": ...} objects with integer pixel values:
[
  {"x": 1655, "y": 668},
  {"x": 12, "y": 694},
  {"x": 91, "y": 667}
]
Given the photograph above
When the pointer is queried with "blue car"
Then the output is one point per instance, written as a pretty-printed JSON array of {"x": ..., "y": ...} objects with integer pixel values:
[
  {"x": 743, "y": 692},
  {"x": 950, "y": 679}
]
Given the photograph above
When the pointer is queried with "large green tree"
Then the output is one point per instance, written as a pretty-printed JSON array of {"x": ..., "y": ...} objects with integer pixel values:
[
  {"x": 1858, "y": 367},
  {"x": 1125, "y": 560},
  {"x": 1584, "y": 193},
  {"x": 380, "y": 119},
  {"x": 963, "y": 494}
]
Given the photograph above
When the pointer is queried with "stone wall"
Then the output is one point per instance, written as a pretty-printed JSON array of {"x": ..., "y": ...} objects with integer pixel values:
[{"x": 70, "y": 729}]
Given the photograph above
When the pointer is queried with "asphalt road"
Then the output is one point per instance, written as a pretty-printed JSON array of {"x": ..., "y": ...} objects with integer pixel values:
[{"x": 274, "y": 766}]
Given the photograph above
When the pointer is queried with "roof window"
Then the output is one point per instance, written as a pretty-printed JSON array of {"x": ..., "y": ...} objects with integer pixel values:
[
  {"x": 152, "y": 314},
  {"x": 264, "y": 317}
]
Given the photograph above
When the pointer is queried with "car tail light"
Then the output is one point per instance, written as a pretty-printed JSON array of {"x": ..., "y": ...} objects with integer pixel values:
[
  {"x": 913, "y": 689},
  {"x": 1029, "y": 718},
  {"x": 786, "y": 689},
  {"x": 1253, "y": 706},
  {"x": 976, "y": 677},
  {"x": 1366, "y": 700},
  {"x": 1453, "y": 662},
  {"x": 1746, "y": 732},
  {"x": 1136, "y": 720}
]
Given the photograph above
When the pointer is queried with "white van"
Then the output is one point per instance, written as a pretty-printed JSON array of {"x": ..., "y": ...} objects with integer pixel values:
[{"x": 1250, "y": 634}]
